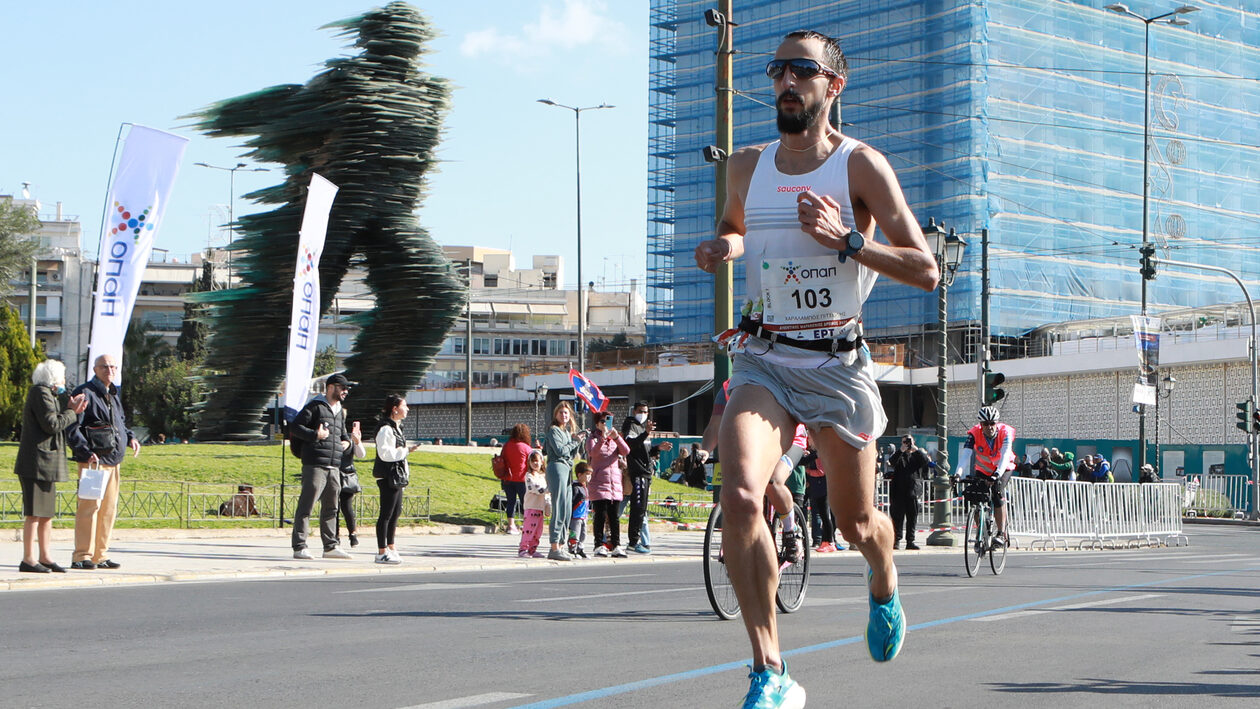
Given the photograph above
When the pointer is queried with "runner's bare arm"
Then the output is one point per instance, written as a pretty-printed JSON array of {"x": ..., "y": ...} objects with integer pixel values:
[
  {"x": 877, "y": 199},
  {"x": 729, "y": 243}
]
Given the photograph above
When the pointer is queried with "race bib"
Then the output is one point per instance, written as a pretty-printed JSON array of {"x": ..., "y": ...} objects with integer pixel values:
[{"x": 809, "y": 298}]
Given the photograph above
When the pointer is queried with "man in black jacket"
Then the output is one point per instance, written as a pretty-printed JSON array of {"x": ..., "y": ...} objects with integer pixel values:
[
  {"x": 321, "y": 427},
  {"x": 99, "y": 438},
  {"x": 637, "y": 430},
  {"x": 909, "y": 470}
]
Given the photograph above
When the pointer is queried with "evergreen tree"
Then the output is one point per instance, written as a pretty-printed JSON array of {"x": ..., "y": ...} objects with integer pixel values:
[
  {"x": 194, "y": 332},
  {"x": 325, "y": 362},
  {"x": 17, "y": 224},
  {"x": 17, "y": 361}
]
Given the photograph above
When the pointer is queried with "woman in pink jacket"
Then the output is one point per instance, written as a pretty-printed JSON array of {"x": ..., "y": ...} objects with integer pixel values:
[{"x": 602, "y": 450}]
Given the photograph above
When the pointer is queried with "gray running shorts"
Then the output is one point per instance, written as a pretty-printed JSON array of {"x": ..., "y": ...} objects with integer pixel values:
[{"x": 843, "y": 397}]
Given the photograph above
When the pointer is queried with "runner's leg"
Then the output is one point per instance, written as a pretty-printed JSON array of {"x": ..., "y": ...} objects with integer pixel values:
[
  {"x": 755, "y": 431},
  {"x": 851, "y": 492}
]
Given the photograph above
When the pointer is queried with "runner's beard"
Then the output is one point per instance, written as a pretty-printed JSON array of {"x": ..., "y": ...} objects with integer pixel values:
[{"x": 795, "y": 124}]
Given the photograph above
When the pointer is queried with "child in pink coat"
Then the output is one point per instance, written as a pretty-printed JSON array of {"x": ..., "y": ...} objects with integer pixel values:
[{"x": 603, "y": 449}]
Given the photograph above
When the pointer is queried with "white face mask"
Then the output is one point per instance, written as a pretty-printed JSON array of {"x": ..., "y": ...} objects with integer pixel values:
[{"x": 641, "y": 418}]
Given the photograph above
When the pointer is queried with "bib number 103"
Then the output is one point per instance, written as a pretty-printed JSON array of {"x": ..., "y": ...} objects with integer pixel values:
[{"x": 810, "y": 298}]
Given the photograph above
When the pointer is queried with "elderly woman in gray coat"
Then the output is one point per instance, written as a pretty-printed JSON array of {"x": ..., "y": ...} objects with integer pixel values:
[{"x": 41, "y": 458}]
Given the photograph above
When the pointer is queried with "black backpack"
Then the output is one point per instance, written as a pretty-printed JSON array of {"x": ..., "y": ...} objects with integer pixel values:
[{"x": 295, "y": 445}]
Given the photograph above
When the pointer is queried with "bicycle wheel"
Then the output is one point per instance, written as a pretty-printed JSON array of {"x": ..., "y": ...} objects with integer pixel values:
[
  {"x": 997, "y": 555},
  {"x": 717, "y": 584},
  {"x": 793, "y": 578},
  {"x": 973, "y": 542}
]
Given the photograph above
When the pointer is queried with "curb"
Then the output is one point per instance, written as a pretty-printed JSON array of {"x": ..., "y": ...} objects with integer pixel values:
[
  {"x": 73, "y": 581},
  {"x": 1220, "y": 521}
]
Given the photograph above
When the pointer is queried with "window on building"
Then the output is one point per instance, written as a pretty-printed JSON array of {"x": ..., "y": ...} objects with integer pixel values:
[
  {"x": 481, "y": 345},
  {"x": 573, "y": 348},
  {"x": 492, "y": 281},
  {"x": 549, "y": 280},
  {"x": 555, "y": 348},
  {"x": 458, "y": 344}
]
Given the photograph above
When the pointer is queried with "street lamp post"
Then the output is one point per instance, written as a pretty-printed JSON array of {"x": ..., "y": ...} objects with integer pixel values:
[
  {"x": 1168, "y": 383},
  {"x": 1171, "y": 19},
  {"x": 540, "y": 394},
  {"x": 231, "y": 171},
  {"x": 577, "y": 152},
  {"x": 948, "y": 248}
]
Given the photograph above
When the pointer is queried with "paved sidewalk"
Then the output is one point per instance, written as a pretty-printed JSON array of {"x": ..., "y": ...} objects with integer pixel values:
[{"x": 165, "y": 555}]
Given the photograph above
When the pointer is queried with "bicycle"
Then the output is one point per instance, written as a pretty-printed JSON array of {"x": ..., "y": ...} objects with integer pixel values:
[
  {"x": 793, "y": 576},
  {"x": 980, "y": 534}
]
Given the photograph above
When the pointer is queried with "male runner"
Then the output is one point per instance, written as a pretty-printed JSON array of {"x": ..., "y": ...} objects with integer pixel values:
[
  {"x": 804, "y": 211},
  {"x": 990, "y": 451}
]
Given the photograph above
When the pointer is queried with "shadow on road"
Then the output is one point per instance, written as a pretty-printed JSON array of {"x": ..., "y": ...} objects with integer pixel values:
[
  {"x": 1114, "y": 686},
  {"x": 562, "y": 616}
]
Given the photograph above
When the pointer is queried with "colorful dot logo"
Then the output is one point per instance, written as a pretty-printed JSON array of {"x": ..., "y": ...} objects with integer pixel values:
[
  {"x": 135, "y": 223},
  {"x": 308, "y": 261}
]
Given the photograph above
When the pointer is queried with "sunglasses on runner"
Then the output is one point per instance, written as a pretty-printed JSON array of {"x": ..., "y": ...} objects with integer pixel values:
[{"x": 801, "y": 69}]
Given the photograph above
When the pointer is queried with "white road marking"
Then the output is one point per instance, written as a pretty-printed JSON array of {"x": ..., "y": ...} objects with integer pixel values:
[
  {"x": 1246, "y": 624},
  {"x": 1222, "y": 561},
  {"x": 475, "y": 700},
  {"x": 815, "y": 601},
  {"x": 457, "y": 586},
  {"x": 588, "y": 596},
  {"x": 1072, "y": 607},
  {"x": 1114, "y": 559}
]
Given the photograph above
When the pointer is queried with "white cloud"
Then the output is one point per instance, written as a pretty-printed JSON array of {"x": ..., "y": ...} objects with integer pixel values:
[{"x": 575, "y": 23}]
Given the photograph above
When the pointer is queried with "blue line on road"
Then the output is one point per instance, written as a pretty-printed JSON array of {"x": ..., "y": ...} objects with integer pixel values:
[{"x": 714, "y": 669}]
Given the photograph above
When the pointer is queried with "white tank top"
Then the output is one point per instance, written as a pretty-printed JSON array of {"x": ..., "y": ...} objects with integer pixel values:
[{"x": 796, "y": 285}]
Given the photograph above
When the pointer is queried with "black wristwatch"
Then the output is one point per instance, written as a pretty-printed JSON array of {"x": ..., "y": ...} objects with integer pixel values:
[{"x": 853, "y": 244}]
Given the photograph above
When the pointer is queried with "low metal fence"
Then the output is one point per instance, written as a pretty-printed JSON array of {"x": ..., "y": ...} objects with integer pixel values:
[{"x": 191, "y": 505}]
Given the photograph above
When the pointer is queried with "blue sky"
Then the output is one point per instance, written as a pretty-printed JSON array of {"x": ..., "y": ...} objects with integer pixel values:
[{"x": 77, "y": 70}]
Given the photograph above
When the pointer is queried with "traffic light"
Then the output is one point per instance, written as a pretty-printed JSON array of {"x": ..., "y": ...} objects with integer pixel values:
[
  {"x": 1246, "y": 416},
  {"x": 1148, "y": 261},
  {"x": 992, "y": 382},
  {"x": 1255, "y": 419}
]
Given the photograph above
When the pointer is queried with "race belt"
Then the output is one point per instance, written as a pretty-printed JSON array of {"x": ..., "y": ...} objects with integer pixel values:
[{"x": 756, "y": 329}]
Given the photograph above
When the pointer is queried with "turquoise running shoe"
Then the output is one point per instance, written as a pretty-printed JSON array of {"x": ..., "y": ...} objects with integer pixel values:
[
  {"x": 771, "y": 690},
  {"x": 886, "y": 628}
]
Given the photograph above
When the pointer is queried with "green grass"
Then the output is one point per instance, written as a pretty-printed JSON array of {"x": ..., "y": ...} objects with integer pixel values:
[{"x": 460, "y": 485}]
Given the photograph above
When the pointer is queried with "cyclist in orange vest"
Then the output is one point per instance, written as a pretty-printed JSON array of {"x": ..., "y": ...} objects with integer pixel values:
[{"x": 989, "y": 451}]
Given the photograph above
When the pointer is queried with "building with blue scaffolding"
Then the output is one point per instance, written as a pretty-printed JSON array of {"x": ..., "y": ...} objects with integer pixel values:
[{"x": 1024, "y": 117}]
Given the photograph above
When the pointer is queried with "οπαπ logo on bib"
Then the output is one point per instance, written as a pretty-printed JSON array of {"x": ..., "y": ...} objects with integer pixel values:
[{"x": 796, "y": 272}]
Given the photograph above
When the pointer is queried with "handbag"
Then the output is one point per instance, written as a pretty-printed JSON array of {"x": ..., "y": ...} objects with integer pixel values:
[
  {"x": 499, "y": 466},
  {"x": 92, "y": 482},
  {"x": 400, "y": 475},
  {"x": 350, "y": 483},
  {"x": 101, "y": 437}
]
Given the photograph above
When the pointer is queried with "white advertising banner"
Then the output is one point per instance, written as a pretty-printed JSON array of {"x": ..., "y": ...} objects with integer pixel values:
[
  {"x": 137, "y": 200},
  {"x": 304, "y": 321}
]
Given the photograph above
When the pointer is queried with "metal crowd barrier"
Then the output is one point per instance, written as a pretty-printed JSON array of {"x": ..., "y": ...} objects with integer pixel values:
[
  {"x": 1217, "y": 496},
  {"x": 1050, "y": 513}
]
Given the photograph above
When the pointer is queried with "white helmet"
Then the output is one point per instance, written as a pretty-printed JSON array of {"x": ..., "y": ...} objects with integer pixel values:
[{"x": 988, "y": 414}]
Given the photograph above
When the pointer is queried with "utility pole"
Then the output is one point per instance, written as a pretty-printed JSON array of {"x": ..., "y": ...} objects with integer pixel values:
[
  {"x": 468, "y": 371},
  {"x": 33, "y": 293},
  {"x": 724, "y": 275},
  {"x": 982, "y": 358}
]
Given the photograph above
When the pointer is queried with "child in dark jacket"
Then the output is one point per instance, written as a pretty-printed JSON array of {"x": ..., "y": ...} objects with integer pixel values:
[{"x": 581, "y": 507}]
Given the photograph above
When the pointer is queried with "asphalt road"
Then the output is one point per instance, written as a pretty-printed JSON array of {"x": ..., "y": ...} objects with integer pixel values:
[{"x": 1161, "y": 627}]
